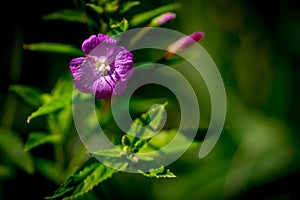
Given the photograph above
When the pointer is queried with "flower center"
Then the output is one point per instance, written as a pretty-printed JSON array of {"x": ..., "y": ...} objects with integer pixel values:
[{"x": 101, "y": 65}]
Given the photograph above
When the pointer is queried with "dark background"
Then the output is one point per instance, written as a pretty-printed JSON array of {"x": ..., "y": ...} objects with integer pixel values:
[{"x": 255, "y": 44}]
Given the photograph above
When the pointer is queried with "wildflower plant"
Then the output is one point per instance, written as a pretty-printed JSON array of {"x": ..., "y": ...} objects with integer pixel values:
[{"x": 102, "y": 69}]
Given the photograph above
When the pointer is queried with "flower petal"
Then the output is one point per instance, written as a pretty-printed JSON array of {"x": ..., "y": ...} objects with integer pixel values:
[
  {"x": 99, "y": 45},
  {"x": 103, "y": 88},
  {"x": 75, "y": 65},
  {"x": 124, "y": 63},
  {"x": 120, "y": 87},
  {"x": 84, "y": 77},
  {"x": 124, "y": 74}
]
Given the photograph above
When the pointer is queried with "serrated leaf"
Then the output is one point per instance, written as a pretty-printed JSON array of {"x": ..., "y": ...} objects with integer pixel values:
[
  {"x": 38, "y": 138},
  {"x": 147, "y": 16},
  {"x": 128, "y": 5},
  {"x": 49, "y": 47},
  {"x": 29, "y": 94},
  {"x": 158, "y": 173},
  {"x": 60, "y": 122},
  {"x": 156, "y": 114},
  {"x": 89, "y": 175},
  {"x": 55, "y": 104},
  {"x": 96, "y": 8},
  {"x": 123, "y": 160},
  {"x": 12, "y": 148},
  {"x": 138, "y": 134},
  {"x": 115, "y": 158},
  {"x": 139, "y": 144},
  {"x": 152, "y": 119},
  {"x": 67, "y": 15}
]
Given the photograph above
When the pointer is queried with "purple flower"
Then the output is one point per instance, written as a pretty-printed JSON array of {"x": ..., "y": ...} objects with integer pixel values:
[{"x": 105, "y": 69}]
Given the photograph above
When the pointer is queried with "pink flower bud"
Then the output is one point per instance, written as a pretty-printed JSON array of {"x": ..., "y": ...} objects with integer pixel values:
[
  {"x": 183, "y": 43},
  {"x": 162, "y": 19}
]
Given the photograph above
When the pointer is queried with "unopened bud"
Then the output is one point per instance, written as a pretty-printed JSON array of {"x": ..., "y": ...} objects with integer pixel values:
[
  {"x": 183, "y": 43},
  {"x": 162, "y": 19}
]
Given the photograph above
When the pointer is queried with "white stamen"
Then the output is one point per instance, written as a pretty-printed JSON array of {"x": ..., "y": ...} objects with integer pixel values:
[{"x": 101, "y": 65}]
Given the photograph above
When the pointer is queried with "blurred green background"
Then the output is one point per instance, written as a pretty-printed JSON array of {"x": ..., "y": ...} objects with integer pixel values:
[{"x": 256, "y": 46}]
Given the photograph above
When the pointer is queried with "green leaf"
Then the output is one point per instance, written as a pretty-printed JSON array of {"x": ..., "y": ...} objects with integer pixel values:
[
  {"x": 11, "y": 146},
  {"x": 128, "y": 5},
  {"x": 118, "y": 27},
  {"x": 152, "y": 119},
  {"x": 138, "y": 132},
  {"x": 49, "y": 47},
  {"x": 124, "y": 25},
  {"x": 63, "y": 85},
  {"x": 67, "y": 15},
  {"x": 96, "y": 8},
  {"x": 38, "y": 138},
  {"x": 50, "y": 170},
  {"x": 143, "y": 140},
  {"x": 165, "y": 137},
  {"x": 123, "y": 160},
  {"x": 111, "y": 6},
  {"x": 158, "y": 173},
  {"x": 138, "y": 135},
  {"x": 6, "y": 172},
  {"x": 147, "y": 16},
  {"x": 64, "y": 118},
  {"x": 115, "y": 158},
  {"x": 29, "y": 94},
  {"x": 156, "y": 114},
  {"x": 55, "y": 104},
  {"x": 60, "y": 122},
  {"x": 89, "y": 175},
  {"x": 78, "y": 157}
]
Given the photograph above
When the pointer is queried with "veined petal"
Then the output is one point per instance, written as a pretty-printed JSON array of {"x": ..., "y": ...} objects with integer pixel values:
[
  {"x": 99, "y": 45},
  {"x": 89, "y": 44},
  {"x": 75, "y": 65},
  {"x": 124, "y": 74},
  {"x": 124, "y": 63},
  {"x": 84, "y": 78},
  {"x": 103, "y": 88},
  {"x": 120, "y": 87},
  {"x": 123, "y": 54}
]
